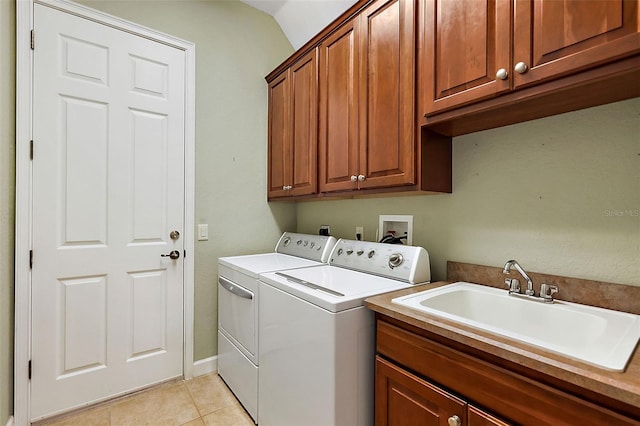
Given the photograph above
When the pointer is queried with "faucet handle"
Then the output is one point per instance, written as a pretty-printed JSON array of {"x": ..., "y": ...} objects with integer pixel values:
[
  {"x": 513, "y": 285},
  {"x": 547, "y": 291}
]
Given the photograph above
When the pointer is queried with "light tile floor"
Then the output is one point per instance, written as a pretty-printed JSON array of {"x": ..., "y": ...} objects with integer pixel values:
[{"x": 203, "y": 401}]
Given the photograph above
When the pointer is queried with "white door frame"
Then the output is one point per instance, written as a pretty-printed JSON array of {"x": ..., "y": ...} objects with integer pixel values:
[{"x": 23, "y": 235}]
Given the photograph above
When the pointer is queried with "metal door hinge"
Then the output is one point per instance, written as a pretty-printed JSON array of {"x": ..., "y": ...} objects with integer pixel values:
[
  {"x": 33, "y": 41},
  {"x": 31, "y": 149},
  {"x": 29, "y": 369},
  {"x": 30, "y": 259},
  {"x": 185, "y": 253}
]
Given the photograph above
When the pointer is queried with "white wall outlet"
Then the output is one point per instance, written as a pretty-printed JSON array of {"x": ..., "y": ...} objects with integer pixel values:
[
  {"x": 203, "y": 232},
  {"x": 360, "y": 233}
]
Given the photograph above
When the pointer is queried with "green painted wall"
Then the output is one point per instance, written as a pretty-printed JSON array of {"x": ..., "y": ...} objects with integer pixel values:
[{"x": 561, "y": 195}]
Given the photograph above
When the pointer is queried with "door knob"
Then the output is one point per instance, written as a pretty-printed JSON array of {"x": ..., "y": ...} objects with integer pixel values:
[
  {"x": 175, "y": 254},
  {"x": 174, "y": 235}
]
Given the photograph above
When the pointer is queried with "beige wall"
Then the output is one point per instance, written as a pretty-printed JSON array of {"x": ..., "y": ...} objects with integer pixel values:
[
  {"x": 7, "y": 202},
  {"x": 561, "y": 195},
  {"x": 236, "y": 46}
]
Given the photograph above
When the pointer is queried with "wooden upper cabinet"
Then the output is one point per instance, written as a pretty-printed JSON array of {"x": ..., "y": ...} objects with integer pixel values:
[
  {"x": 465, "y": 44},
  {"x": 293, "y": 129},
  {"x": 304, "y": 102},
  {"x": 279, "y": 135},
  {"x": 338, "y": 128},
  {"x": 474, "y": 50},
  {"x": 558, "y": 37},
  {"x": 367, "y": 100},
  {"x": 386, "y": 31}
]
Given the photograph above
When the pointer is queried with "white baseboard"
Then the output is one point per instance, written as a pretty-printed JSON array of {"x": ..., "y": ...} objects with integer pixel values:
[
  {"x": 205, "y": 366},
  {"x": 10, "y": 421}
]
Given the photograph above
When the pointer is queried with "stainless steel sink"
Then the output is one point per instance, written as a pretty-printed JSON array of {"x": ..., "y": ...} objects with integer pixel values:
[{"x": 600, "y": 337}]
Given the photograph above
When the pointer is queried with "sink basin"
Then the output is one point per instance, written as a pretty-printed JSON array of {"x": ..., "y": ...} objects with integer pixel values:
[{"x": 597, "y": 336}]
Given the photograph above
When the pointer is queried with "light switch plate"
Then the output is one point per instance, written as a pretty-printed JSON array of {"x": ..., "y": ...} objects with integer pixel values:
[{"x": 203, "y": 232}]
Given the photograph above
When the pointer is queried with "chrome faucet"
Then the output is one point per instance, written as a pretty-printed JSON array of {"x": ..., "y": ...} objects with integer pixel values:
[
  {"x": 507, "y": 267},
  {"x": 546, "y": 290}
]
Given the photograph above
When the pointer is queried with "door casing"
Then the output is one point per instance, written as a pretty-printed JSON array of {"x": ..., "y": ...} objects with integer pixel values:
[{"x": 23, "y": 214}]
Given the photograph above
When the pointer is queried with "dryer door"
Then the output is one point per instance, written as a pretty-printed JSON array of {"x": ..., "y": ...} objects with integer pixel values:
[{"x": 237, "y": 315}]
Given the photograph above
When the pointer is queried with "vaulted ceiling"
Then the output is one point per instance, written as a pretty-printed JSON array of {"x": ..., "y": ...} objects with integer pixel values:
[{"x": 300, "y": 20}]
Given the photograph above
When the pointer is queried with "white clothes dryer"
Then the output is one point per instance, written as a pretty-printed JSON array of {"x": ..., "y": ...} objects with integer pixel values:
[{"x": 238, "y": 300}]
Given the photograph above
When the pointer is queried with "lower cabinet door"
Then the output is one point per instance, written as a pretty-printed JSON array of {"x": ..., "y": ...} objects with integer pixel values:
[
  {"x": 477, "y": 417},
  {"x": 404, "y": 399}
]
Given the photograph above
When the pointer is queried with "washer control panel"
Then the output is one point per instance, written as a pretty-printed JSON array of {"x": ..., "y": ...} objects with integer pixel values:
[
  {"x": 312, "y": 247},
  {"x": 400, "y": 262}
]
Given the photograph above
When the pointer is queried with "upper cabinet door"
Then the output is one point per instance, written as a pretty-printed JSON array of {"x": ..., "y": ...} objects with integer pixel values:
[
  {"x": 293, "y": 128},
  {"x": 558, "y": 37},
  {"x": 279, "y": 135},
  {"x": 386, "y": 36},
  {"x": 338, "y": 129},
  {"x": 466, "y": 43},
  {"x": 304, "y": 113}
]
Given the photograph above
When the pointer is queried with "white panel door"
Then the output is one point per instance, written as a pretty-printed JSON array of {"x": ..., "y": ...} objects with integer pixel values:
[{"x": 108, "y": 188}]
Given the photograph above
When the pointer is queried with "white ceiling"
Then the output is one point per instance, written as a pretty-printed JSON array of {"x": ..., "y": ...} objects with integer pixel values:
[{"x": 300, "y": 20}]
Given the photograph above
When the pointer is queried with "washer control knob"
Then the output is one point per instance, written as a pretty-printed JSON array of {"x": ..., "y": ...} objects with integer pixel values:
[
  {"x": 371, "y": 253},
  {"x": 349, "y": 251},
  {"x": 299, "y": 242},
  {"x": 340, "y": 252},
  {"x": 360, "y": 252},
  {"x": 305, "y": 243},
  {"x": 395, "y": 260},
  {"x": 287, "y": 241}
]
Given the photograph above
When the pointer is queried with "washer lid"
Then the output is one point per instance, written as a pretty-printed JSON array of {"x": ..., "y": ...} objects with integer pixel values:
[
  {"x": 255, "y": 264},
  {"x": 331, "y": 288}
]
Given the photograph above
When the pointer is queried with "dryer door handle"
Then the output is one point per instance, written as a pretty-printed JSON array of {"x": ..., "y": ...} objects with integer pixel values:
[{"x": 235, "y": 289}]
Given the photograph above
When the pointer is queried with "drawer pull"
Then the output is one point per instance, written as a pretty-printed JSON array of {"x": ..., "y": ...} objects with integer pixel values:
[{"x": 454, "y": 421}]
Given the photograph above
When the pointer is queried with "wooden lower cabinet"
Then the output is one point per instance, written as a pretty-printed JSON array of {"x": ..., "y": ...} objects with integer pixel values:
[
  {"x": 409, "y": 365},
  {"x": 405, "y": 399}
]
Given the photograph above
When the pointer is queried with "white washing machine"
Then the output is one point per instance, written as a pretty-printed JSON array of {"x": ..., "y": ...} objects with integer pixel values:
[
  {"x": 317, "y": 340},
  {"x": 238, "y": 300}
]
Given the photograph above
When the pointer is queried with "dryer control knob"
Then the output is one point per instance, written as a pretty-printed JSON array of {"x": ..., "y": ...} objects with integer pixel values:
[{"x": 371, "y": 253}]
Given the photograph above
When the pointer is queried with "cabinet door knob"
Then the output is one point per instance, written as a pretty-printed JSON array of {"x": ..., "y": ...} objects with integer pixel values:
[
  {"x": 502, "y": 74},
  {"x": 521, "y": 67},
  {"x": 354, "y": 178},
  {"x": 361, "y": 178},
  {"x": 454, "y": 421}
]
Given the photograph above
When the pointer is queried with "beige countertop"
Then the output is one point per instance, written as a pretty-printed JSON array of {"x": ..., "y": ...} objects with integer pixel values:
[{"x": 619, "y": 386}]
